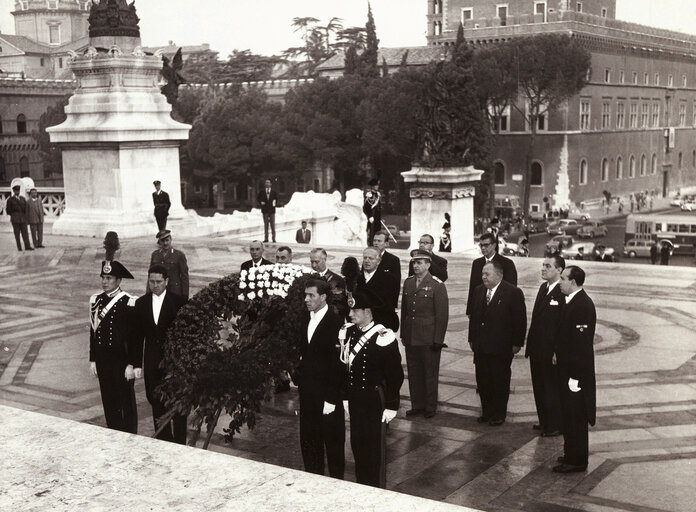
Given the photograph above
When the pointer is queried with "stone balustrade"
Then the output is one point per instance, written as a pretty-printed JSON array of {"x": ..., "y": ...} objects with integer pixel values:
[{"x": 53, "y": 199}]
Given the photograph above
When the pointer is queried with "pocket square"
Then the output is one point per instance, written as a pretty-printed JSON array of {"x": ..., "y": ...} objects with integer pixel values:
[{"x": 553, "y": 302}]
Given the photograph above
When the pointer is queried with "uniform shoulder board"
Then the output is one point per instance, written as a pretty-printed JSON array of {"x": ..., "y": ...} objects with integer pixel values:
[
  {"x": 437, "y": 279},
  {"x": 93, "y": 298},
  {"x": 385, "y": 337}
]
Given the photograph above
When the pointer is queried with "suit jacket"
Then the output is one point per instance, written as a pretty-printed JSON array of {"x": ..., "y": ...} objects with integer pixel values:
[
  {"x": 546, "y": 316},
  {"x": 424, "y": 311},
  {"x": 320, "y": 371},
  {"x": 386, "y": 287},
  {"x": 266, "y": 203},
  {"x": 35, "y": 211},
  {"x": 151, "y": 335},
  {"x": 497, "y": 327},
  {"x": 509, "y": 275},
  {"x": 161, "y": 202},
  {"x": 249, "y": 263},
  {"x": 438, "y": 267},
  {"x": 303, "y": 239},
  {"x": 391, "y": 264},
  {"x": 575, "y": 351},
  {"x": 16, "y": 207},
  {"x": 177, "y": 268}
]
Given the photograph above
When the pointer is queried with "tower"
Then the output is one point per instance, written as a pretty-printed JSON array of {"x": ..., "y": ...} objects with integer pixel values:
[{"x": 52, "y": 22}]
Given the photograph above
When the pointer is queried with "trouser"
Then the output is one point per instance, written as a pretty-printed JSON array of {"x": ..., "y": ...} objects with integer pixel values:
[
  {"x": 175, "y": 430},
  {"x": 546, "y": 386},
  {"x": 268, "y": 220},
  {"x": 118, "y": 398},
  {"x": 493, "y": 382},
  {"x": 37, "y": 234},
  {"x": 423, "y": 374},
  {"x": 161, "y": 220},
  {"x": 367, "y": 437},
  {"x": 21, "y": 228},
  {"x": 321, "y": 433},
  {"x": 575, "y": 429}
]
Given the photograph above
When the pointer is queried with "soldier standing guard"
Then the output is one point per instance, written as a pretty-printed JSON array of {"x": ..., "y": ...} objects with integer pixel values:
[
  {"x": 112, "y": 358},
  {"x": 372, "y": 210},
  {"x": 375, "y": 375},
  {"x": 162, "y": 204}
]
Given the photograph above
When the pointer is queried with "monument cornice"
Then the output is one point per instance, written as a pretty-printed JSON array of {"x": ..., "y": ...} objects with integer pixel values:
[{"x": 437, "y": 193}]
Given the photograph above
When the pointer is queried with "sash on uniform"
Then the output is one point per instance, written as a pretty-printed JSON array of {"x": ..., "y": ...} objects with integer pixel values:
[
  {"x": 96, "y": 316},
  {"x": 363, "y": 341}
]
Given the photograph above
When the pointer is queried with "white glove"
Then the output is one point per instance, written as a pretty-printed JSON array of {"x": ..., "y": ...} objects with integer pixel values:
[
  {"x": 138, "y": 372},
  {"x": 345, "y": 408},
  {"x": 129, "y": 373},
  {"x": 388, "y": 415},
  {"x": 573, "y": 385},
  {"x": 328, "y": 408},
  {"x": 371, "y": 219},
  {"x": 93, "y": 368}
]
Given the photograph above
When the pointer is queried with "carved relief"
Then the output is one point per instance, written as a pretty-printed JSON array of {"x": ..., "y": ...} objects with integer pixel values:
[{"x": 439, "y": 194}]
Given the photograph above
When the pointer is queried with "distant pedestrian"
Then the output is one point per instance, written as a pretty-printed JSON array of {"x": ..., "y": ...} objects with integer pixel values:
[
  {"x": 16, "y": 208},
  {"x": 303, "y": 235},
  {"x": 175, "y": 263},
  {"x": 372, "y": 208},
  {"x": 654, "y": 253},
  {"x": 268, "y": 200},
  {"x": 162, "y": 204},
  {"x": 35, "y": 217},
  {"x": 665, "y": 253}
]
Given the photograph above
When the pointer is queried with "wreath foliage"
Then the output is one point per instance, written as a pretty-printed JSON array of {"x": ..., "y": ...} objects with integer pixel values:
[{"x": 227, "y": 344}]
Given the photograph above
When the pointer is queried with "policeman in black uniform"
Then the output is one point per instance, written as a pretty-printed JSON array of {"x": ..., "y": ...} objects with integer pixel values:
[
  {"x": 111, "y": 318},
  {"x": 375, "y": 375}
]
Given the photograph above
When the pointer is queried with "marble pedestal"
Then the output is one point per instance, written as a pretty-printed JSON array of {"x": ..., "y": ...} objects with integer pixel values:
[{"x": 440, "y": 190}]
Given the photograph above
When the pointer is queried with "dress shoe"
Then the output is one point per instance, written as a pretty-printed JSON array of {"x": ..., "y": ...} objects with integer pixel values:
[
  {"x": 568, "y": 468},
  {"x": 537, "y": 426},
  {"x": 414, "y": 412},
  {"x": 496, "y": 423},
  {"x": 30, "y": 248},
  {"x": 41, "y": 246},
  {"x": 482, "y": 419},
  {"x": 555, "y": 433},
  {"x": 428, "y": 414}
]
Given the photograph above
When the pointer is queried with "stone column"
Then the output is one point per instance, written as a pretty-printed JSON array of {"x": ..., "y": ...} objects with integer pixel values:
[{"x": 440, "y": 190}]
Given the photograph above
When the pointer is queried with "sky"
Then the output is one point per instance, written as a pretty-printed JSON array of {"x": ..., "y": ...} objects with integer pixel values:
[{"x": 264, "y": 26}]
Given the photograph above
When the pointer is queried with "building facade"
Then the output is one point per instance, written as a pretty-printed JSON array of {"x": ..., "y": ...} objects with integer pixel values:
[{"x": 631, "y": 129}]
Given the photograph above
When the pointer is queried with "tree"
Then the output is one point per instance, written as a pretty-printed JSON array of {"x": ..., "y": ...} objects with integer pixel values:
[
  {"x": 368, "y": 60},
  {"x": 318, "y": 45},
  {"x": 241, "y": 66},
  {"x": 51, "y": 155}
]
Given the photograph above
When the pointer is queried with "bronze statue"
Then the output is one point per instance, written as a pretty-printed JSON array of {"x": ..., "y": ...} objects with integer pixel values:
[{"x": 113, "y": 18}]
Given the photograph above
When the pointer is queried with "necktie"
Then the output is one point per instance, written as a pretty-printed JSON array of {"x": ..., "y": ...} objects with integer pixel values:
[{"x": 489, "y": 294}]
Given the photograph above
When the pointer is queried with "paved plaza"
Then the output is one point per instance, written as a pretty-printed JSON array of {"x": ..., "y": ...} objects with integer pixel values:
[{"x": 642, "y": 450}]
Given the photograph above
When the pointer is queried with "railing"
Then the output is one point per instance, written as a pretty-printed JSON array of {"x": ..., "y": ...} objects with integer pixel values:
[{"x": 53, "y": 199}]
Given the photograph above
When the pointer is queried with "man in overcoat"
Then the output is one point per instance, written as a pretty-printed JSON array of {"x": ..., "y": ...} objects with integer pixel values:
[{"x": 16, "y": 208}]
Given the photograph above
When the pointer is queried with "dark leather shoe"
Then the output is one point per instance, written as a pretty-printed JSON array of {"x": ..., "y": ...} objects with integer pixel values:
[
  {"x": 555, "y": 433},
  {"x": 414, "y": 412},
  {"x": 30, "y": 248},
  {"x": 482, "y": 419},
  {"x": 537, "y": 426},
  {"x": 568, "y": 468},
  {"x": 496, "y": 423},
  {"x": 428, "y": 414}
]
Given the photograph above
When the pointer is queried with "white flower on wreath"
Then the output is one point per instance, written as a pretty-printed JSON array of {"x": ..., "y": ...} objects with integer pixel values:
[
  {"x": 243, "y": 274},
  {"x": 240, "y": 296},
  {"x": 242, "y": 285},
  {"x": 259, "y": 293},
  {"x": 252, "y": 285},
  {"x": 251, "y": 295}
]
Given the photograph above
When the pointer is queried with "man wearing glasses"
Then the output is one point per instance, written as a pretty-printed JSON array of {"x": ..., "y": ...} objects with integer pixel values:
[
  {"x": 487, "y": 243},
  {"x": 438, "y": 264}
]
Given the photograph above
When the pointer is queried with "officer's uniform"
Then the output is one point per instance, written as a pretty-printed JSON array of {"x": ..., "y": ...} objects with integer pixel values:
[
  {"x": 424, "y": 317},
  {"x": 111, "y": 318},
  {"x": 374, "y": 379},
  {"x": 177, "y": 267}
]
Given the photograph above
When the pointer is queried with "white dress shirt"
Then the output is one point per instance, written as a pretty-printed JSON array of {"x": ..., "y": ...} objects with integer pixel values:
[
  {"x": 570, "y": 296},
  {"x": 368, "y": 275},
  {"x": 494, "y": 289},
  {"x": 157, "y": 301},
  {"x": 314, "y": 318},
  {"x": 551, "y": 287}
]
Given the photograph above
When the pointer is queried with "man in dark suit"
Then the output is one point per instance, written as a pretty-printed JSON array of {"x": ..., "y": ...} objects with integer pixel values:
[
  {"x": 541, "y": 347},
  {"x": 319, "y": 378},
  {"x": 317, "y": 259},
  {"x": 438, "y": 264},
  {"x": 389, "y": 263},
  {"x": 303, "y": 235},
  {"x": 256, "y": 253},
  {"x": 576, "y": 370},
  {"x": 162, "y": 204},
  {"x": 496, "y": 333},
  {"x": 488, "y": 249},
  {"x": 268, "y": 200},
  {"x": 154, "y": 314},
  {"x": 16, "y": 208},
  {"x": 384, "y": 285},
  {"x": 424, "y": 317},
  {"x": 174, "y": 261}
]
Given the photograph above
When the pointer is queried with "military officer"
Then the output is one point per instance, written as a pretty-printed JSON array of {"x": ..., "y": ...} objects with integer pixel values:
[
  {"x": 162, "y": 204},
  {"x": 424, "y": 317},
  {"x": 175, "y": 263},
  {"x": 373, "y": 362},
  {"x": 111, "y": 354}
]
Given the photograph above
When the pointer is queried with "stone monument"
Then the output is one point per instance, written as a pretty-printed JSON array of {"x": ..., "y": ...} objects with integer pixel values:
[
  {"x": 439, "y": 190},
  {"x": 119, "y": 135}
]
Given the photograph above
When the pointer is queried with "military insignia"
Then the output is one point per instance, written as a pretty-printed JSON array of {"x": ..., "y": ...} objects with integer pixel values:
[{"x": 107, "y": 268}]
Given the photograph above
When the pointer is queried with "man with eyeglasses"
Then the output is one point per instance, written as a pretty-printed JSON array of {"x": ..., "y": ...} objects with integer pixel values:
[
  {"x": 487, "y": 243},
  {"x": 438, "y": 264}
]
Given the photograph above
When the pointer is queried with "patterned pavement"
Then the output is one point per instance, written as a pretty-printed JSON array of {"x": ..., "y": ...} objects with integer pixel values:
[{"x": 642, "y": 450}]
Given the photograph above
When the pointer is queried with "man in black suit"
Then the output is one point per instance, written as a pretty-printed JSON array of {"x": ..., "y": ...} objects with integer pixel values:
[
  {"x": 256, "y": 253},
  {"x": 154, "y": 314},
  {"x": 488, "y": 249},
  {"x": 576, "y": 370},
  {"x": 383, "y": 285},
  {"x": 162, "y": 204},
  {"x": 438, "y": 264},
  {"x": 16, "y": 208},
  {"x": 319, "y": 378},
  {"x": 268, "y": 200},
  {"x": 303, "y": 235},
  {"x": 541, "y": 347},
  {"x": 496, "y": 333},
  {"x": 338, "y": 300},
  {"x": 389, "y": 262}
]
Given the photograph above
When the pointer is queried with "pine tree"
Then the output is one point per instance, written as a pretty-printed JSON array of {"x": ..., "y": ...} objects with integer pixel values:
[
  {"x": 369, "y": 67},
  {"x": 350, "y": 62}
]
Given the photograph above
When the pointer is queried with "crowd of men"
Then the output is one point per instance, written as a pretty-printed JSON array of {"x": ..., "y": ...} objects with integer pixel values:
[{"x": 350, "y": 364}]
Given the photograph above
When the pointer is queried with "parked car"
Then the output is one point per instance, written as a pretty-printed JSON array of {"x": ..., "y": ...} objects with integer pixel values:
[
  {"x": 592, "y": 229},
  {"x": 688, "y": 205},
  {"x": 584, "y": 251},
  {"x": 563, "y": 227},
  {"x": 580, "y": 215},
  {"x": 557, "y": 243},
  {"x": 537, "y": 224},
  {"x": 635, "y": 248}
]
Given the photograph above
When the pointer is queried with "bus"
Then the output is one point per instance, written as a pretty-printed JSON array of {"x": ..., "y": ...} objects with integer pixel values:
[
  {"x": 507, "y": 207},
  {"x": 679, "y": 229}
]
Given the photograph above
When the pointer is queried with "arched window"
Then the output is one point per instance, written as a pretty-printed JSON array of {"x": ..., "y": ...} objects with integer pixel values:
[
  {"x": 653, "y": 164},
  {"x": 632, "y": 167},
  {"x": 23, "y": 167},
  {"x": 21, "y": 123},
  {"x": 536, "y": 177},
  {"x": 605, "y": 169},
  {"x": 619, "y": 168},
  {"x": 643, "y": 165},
  {"x": 583, "y": 172},
  {"x": 499, "y": 169}
]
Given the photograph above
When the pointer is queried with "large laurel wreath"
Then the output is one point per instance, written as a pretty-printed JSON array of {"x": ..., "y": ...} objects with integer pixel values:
[{"x": 230, "y": 341}]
